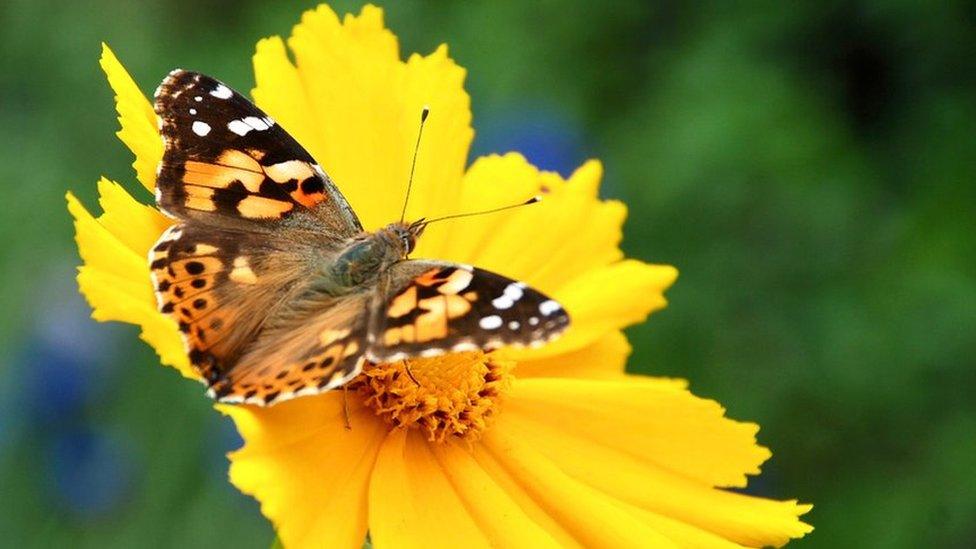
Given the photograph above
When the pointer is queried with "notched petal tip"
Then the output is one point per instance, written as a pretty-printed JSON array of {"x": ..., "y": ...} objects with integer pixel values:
[
  {"x": 114, "y": 277},
  {"x": 138, "y": 121}
]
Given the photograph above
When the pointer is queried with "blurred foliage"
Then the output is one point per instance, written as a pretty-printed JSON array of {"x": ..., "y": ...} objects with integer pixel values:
[{"x": 809, "y": 168}]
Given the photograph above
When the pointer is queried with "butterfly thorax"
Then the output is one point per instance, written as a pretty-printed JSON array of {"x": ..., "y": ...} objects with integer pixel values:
[{"x": 369, "y": 254}]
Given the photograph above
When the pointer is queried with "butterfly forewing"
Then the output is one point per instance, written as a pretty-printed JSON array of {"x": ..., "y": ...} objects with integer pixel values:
[
  {"x": 226, "y": 161},
  {"x": 428, "y": 308}
]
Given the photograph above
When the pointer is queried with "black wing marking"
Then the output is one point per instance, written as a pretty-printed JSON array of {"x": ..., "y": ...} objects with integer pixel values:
[
  {"x": 225, "y": 160},
  {"x": 427, "y": 308}
]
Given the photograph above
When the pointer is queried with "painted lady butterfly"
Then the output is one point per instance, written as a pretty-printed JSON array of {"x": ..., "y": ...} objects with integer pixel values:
[{"x": 277, "y": 289}]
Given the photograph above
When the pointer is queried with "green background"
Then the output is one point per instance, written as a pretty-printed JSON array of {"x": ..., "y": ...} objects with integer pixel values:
[{"x": 809, "y": 168}]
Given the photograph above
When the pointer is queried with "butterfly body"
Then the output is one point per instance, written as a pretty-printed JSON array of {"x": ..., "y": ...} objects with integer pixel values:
[
  {"x": 277, "y": 289},
  {"x": 370, "y": 254}
]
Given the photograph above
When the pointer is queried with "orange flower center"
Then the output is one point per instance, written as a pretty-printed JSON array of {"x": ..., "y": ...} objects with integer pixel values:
[{"x": 450, "y": 395}]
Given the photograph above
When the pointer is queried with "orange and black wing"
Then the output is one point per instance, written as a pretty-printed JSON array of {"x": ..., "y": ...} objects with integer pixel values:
[
  {"x": 428, "y": 308},
  {"x": 226, "y": 161},
  {"x": 252, "y": 329},
  {"x": 301, "y": 355},
  {"x": 214, "y": 283}
]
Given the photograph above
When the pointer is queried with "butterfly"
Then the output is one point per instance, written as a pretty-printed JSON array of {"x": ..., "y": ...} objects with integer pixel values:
[{"x": 277, "y": 289}]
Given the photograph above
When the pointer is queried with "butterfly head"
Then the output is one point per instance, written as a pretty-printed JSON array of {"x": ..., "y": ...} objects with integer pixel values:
[{"x": 405, "y": 235}]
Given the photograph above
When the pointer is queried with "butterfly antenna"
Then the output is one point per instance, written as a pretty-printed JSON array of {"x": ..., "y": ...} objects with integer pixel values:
[
  {"x": 532, "y": 200},
  {"x": 413, "y": 163}
]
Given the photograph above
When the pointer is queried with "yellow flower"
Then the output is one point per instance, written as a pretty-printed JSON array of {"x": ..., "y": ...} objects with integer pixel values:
[{"x": 550, "y": 447}]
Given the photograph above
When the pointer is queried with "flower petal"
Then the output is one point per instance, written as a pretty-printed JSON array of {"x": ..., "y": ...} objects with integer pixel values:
[
  {"x": 136, "y": 225},
  {"x": 356, "y": 106},
  {"x": 542, "y": 244},
  {"x": 115, "y": 275},
  {"x": 655, "y": 420},
  {"x": 139, "y": 129},
  {"x": 309, "y": 473},
  {"x": 608, "y": 299},
  {"x": 605, "y": 358},
  {"x": 657, "y": 447},
  {"x": 435, "y": 495},
  {"x": 587, "y": 516}
]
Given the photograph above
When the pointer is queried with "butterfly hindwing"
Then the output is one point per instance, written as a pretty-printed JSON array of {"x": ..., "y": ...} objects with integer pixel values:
[
  {"x": 225, "y": 160},
  {"x": 317, "y": 346},
  {"x": 211, "y": 282},
  {"x": 254, "y": 326},
  {"x": 426, "y": 308}
]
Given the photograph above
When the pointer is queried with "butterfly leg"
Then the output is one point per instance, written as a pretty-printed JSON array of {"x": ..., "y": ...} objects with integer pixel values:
[
  {"x": 406, "y": 366},
  {"x": 345, "y": 409}
]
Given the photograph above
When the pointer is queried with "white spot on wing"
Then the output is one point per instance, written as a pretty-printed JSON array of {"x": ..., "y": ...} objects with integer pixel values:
[
  {"x": 511, "y": 294},
  {"x": 256, "y": 123},
  {"x": 193, "y": 111},
  {"x": 548, "y": 307},
  {"x": 198, "y": 99},
  {"x": 222, "y": 92},
  {"x": 490, "y": 322},
  {"x": 201, "y": 128},
  {"x": 513, "y": 325},
  {"x": 239, "y": 127},
  {"x": 464, "y": 346}
]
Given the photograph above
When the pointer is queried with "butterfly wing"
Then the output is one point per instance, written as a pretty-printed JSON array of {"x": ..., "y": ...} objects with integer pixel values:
[
  {"x": 300, "y": 354},
  {"x": 213, "y": 282},
  {"x": 239, "y": 285},
  {"x": 254, "y": 327},
  {"x": 427, "y": 308},
  {"x": 226, "y": 161}
]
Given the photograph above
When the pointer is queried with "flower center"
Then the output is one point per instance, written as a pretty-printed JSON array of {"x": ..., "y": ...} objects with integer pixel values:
[{"x": 449, "y": 395}]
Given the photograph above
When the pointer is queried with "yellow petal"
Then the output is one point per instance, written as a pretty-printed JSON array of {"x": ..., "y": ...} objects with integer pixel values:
[
  {"x": 136, "y": 225},
  {"x": 542, "y": 244},
  {"x": 589, "y": 517},
  {"x": 605, "y": 358},
  {"x": 436, "y": 495},
  {"x": 139, "y": 130},
  {"x": 608, "y": 299},
  {"x": 645, "y": 417},
  {"x": 310, "y": 474},
  {"x": 682, "y": 534},
  {"x": 356, "y": 106},
  {"x": 601, "y": 303},
  {"x": 115, "y": 275},
  {"x": 659, "y": 449}
]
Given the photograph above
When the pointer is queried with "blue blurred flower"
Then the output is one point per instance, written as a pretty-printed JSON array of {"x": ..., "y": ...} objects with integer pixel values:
[
  {"x": 90, "y": 473},
  {"x": 548, "y": 137}
]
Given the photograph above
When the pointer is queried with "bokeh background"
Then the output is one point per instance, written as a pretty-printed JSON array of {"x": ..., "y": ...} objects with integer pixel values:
[{"x": 809, "y": 167}]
